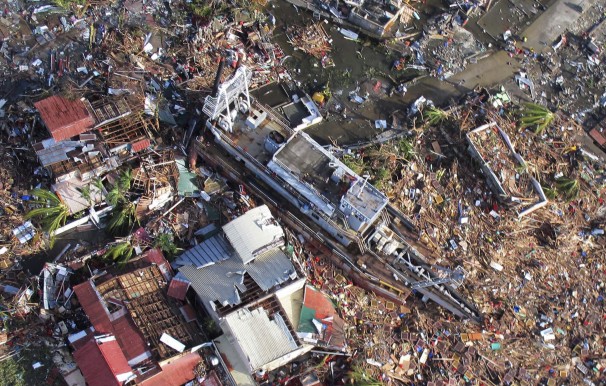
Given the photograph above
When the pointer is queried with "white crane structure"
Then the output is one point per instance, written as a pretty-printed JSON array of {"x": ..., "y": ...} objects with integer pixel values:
[{"x": 230, "y": 91}]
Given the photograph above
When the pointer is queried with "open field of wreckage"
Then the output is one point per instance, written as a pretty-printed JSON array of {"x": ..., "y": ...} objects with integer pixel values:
[{"x": 302, "y": 192}]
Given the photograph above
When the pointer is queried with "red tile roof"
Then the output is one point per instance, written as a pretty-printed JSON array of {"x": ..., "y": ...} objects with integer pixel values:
[
  {"x": 155, "y": 256},
  {"x": 64, "y": 118},
  {"x": 175, "y": 372},
  {"x": 128, "y": 335},
  {"x": 178, "y": 288},
  {"x": 140, "y": 145},
  {"x": 317, "y": 301},
  {"x": 101, "y": 363},
  {"x": 130, "y": 338},
  {"x": 188, "y": 313},
  {"x": 94, "y": 309},
  {"x": 598, "y": 137}
]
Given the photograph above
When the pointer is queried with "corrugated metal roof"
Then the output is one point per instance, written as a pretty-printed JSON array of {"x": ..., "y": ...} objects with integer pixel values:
[
  {"x": 222, "y": 281},
  {"x": 178, "y": 288},
  {"x": 317, "y": 308},
  {"x": 113, "y": 356},
  {"x": 64, "y": 118},
  {"x": 175, "y": 372},
  {"x": 253, "y": 233},
  {"x": 141, "y": 144},
  {"x": 101, "y": 363},
  {"x": 598, "y": 137},
  {"x": 218, "y": 282},
  {"x": 260, "y": 338},
  {"x": 129, "y": 337},
  {"x": 52, "y": 152},
  {"x": 188, "y": 313},
  {"x": 206, "y": 253},
  {"x": 155, "y": 256},
  {"x": 93, "y": 307},
  {"x": 188, "y": 181},
  {"x": 270, "y": 269}
]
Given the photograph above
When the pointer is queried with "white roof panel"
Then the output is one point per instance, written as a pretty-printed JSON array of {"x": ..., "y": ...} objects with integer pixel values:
[
  {"x": 261, "y": 338},
  {"x": 254, "y": 233}
]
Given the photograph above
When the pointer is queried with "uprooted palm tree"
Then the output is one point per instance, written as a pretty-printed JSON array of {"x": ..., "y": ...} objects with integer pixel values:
[
  {"x": 121, "y": 252},
  {"x": 86, "y": 193},
  {"x": 358, "y": 377},
  {"x": 406, "y": 149},
  {"x": 569, "y": 188},
  {"x": 119, "y": 190},
  {"x": 435, "y": 116},
  {"x": 537, "y": 117},
  {"x": 51, "y": 212},
  {"x": 123, "y": 218},
  {"x": 123, "y": 214}
]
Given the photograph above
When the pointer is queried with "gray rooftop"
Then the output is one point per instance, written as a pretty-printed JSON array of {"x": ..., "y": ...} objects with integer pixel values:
[
  {"x": 50, "y": 152},
  {"x": 211, "y": 251},
  {"x": 253, "y": 233},
  {"x": 261, "y": 338},
  {"x": 367, "y": 199},
  {"x": 223, "y": 281},
  {"x": 311, "y": 163}
]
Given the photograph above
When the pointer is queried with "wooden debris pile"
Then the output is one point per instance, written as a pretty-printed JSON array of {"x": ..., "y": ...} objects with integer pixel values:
[{"x": 312, "y": 40}]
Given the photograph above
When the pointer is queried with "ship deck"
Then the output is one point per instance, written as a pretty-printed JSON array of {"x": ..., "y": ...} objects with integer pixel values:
[{"x": 252, "y": 141}]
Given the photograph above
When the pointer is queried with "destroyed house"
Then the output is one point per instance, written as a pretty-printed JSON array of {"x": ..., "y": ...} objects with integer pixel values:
[
  {"x": 65, "y": 118},
  {"x": 333, "y": 189},
  {"x": 133, "y": 311},
  {"x": 126, "y": 135},
  {"x": 77, "y": 149},
  {"x": 82, "y": 158},
  {"x": 319, "y": 322},
  {"x": 155, "y": 179},
  {"x": 259, "y": 337},
  {"x": 504, "y": 169},
  {"x": 378, "y": 16},
  {"x": 239, "y": 265}
]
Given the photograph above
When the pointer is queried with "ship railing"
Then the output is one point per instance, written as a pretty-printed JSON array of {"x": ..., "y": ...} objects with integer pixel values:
[{"x": 280, "y": 121}]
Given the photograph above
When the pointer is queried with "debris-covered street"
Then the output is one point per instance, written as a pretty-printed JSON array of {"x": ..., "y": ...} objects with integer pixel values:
[{"x": 302, "y": 192}]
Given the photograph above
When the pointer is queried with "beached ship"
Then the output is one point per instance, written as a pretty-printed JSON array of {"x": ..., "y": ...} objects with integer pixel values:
[{"x": 272, "y": 145}]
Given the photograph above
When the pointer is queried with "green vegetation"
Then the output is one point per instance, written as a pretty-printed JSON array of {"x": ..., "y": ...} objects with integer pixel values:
[
  {"x": 381, "y": 178},
  {"x": 18, "y": 371},
  {"x": 568, "y": 188},
  {"x": 358, "y": 377},
  {"x": 123, "y": 216},
  {"x": 355, "y": 164},
  {"x": 537, "y": 117},
  {"x": 406, "y": 149},
  {"x": 51, "y": 213},
  {"x": 550, "y": 192},
  {"x": 120, "y": 253},
  {"x": 78, "y": 6},
  {"x": 435, "y": 116},
  {"x": 166, "y": 244},
  {"x": 85, "y": 193}
]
